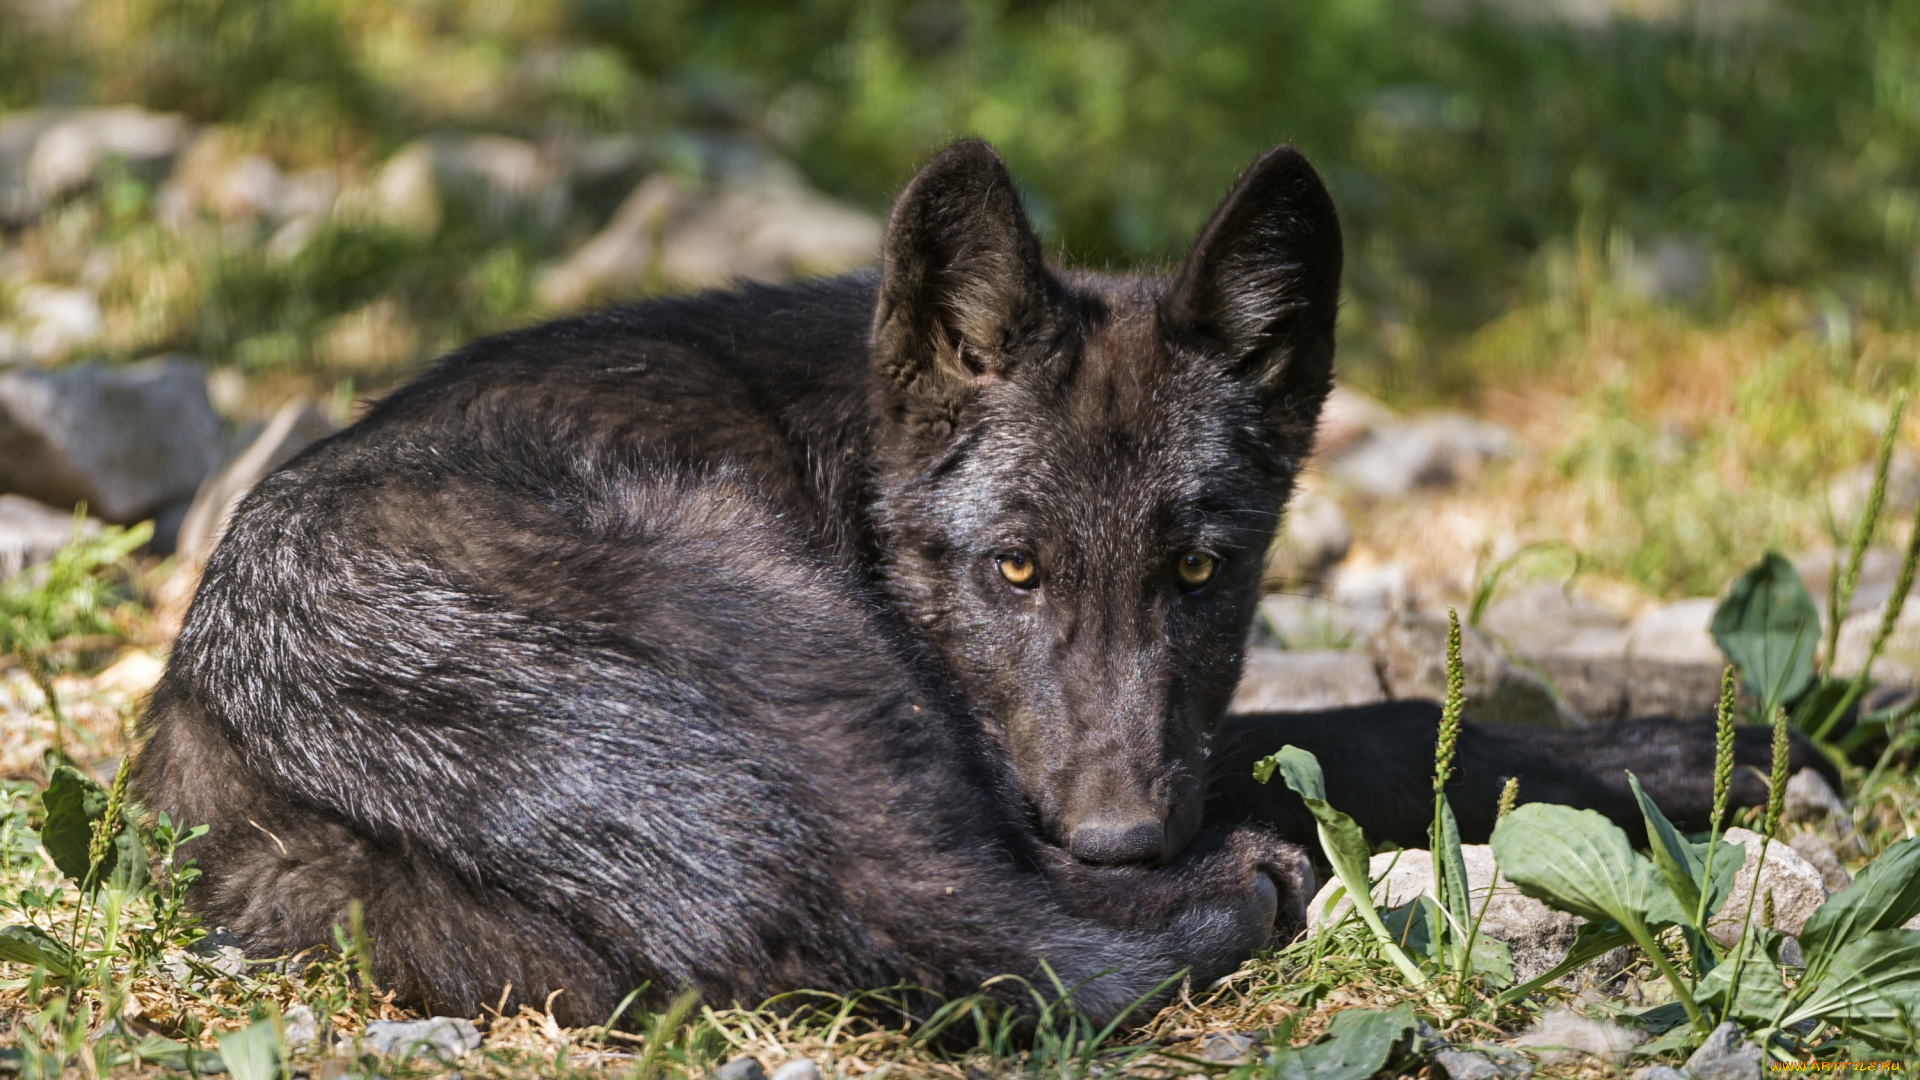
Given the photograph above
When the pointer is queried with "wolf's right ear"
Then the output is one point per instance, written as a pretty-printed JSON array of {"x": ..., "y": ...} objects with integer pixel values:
[
  {"x": 1262, "y": 284},
  {"x": 963, "y": 287}
]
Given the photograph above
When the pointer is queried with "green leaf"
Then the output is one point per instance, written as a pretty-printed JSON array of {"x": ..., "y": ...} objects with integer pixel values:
[
  {"x": 253, "y": 1053},
  {"x": 1450, "y": 874},
  {"x": 1871, "y": 985},
  {"x": 1580, "y": 862},
  {"x": 1345, "y": 845},
  {"x": 1769, "y": 628},
  {"x": 1885, "y": 895},
  {"x": 178, "y": 1056},
  {"x": 1591, "y": 941},
  {"x": 1358, "y": 1044},
  {"x": 1759, "y": 994},
  {"x": 32, "y": 945},
  {"x": 74, "y": 801},
  {"x": 1680, "y": 866}
]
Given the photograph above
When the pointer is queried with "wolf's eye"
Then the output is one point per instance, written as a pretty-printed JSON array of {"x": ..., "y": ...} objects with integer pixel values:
[
  {"x": 1196, "y": 568},
  {"x": 1017, "y": 568}
]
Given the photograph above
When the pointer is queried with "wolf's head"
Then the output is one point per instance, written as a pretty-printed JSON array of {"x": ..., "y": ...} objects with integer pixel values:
[{"x": 1080, "y": 475}]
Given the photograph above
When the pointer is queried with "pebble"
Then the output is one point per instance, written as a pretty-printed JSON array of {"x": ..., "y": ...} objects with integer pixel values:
[
  {"x": 741, "y": 1068},
  {"x": 446, "y": 1037},
  {"x": 1726, "y": 1055},
  {"x": 797, "y": 1069}
]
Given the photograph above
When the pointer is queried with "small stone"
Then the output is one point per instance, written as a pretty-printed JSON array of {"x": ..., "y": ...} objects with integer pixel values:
[
  {"x": 1660, "y": 1072},
  {"x": 30, "y": 532},
  {"x": 1348, "y": 417},
  {"x": 222, "y": 951},
  {"x": 124, "y": 440},
  {"x": 301, "y": 1027},
  {"x": 1796, "y": 886},
  {"x": 1566, "y": 1036},
  {"x": 1811, "y": 798},
  {"x": 68, "y": 155},
  {"x": 1281, "y": 680},
  {"x": 1468, "y": 1065},
  {"x": 1313, "y": 538},
  {"x": 741, "y": 1068},
  {"x": 1833, "y": 876},
  {"x": 1726, "y": 1055},
  {"x": 58, "y": 320},
  {"x": 1226, "y": 1047},
  {"x": 1438, "y": 450},
  {"x": 444, "y": 1037},
  {"x": 797, "y": 1069}
]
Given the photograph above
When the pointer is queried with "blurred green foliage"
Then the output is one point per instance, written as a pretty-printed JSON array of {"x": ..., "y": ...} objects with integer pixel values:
[{"x": 1781, "y": 143}]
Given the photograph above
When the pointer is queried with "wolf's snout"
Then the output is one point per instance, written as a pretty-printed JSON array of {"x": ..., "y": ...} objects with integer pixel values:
[{"x": 1118, "y": 840}]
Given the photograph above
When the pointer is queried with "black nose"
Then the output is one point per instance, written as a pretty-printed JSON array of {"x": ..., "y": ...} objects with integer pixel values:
[{"x": 1117, "y": 840}]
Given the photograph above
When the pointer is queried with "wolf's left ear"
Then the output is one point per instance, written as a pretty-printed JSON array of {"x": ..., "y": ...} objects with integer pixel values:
[
  {"x": 963, "y": 287},
  {"x": 1262, "y": 283}
]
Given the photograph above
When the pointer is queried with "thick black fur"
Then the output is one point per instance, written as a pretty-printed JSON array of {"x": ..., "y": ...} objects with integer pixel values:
[{"x": 681, "y": 644}]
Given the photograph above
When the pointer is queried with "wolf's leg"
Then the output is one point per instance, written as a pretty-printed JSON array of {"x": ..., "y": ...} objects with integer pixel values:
[{"x": 1378, "y": 761}]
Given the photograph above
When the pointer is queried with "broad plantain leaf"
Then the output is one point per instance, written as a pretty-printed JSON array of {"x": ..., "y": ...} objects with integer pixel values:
[
  {"x": 1683, "y": 866},
  {"x": 252, "y": 1053},
  {"x": 1580, "y": 862},
  {"x": 1358, "y": 1044},
  {"x": 1591, "y": 941},
  {"x": 1755, "y": 962},
  {"x": 1871, "y": 986},
  {"x": 1450, "y": 872},
  {"x": 1769, "y": 628},
  {"x": 1885, "y": 895},
  {"x": 74, "y": 802},
  {"x": 32, "y": 945}
]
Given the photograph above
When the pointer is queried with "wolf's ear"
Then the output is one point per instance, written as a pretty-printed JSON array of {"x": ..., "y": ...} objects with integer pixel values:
[
  {"x": 1262, "y": 283},
  {"x": 962, "y": 285}
]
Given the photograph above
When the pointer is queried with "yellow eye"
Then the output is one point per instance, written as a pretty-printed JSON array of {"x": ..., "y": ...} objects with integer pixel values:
[
  {"x": 1196, "y": 568},
  {"x": 1017, "y": 568}
]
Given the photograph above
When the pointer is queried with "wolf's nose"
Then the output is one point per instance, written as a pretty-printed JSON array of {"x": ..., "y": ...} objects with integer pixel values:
[{"x": 1121, "y": 840}]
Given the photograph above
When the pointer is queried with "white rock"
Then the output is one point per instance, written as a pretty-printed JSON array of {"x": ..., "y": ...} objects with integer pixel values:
[
  {"x": 1410, "y": 652},
  {"x": 1795, "y": 883},
  {"x": 68, "y": 154},
  {"x": 1833, "y": 875},
  {"x": 1346, "y": 418},
  {"x": 444, "y": 1037},
  {"x": 1536, "y": 935},
  {"x": 57, "y": 320},
  {"x": 1810, "y": 798},
  {"x": 1282, "y": 680},
  {"x": 302, "y": 1028},
  {"x": 797, "y": 1069},
  {"x": 134, "y": 673}
]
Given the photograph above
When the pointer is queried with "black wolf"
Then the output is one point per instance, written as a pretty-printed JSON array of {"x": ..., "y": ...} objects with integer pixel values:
[{"x": 830, "y": 636}]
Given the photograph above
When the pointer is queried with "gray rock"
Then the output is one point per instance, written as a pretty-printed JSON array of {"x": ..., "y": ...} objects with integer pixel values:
[
  {"x": 1468, "y": 1065},
  {"x": 126, "y": 441},
  {"x": 19, "y": 133},
  {"x": 1536, "y": 935},
  {"x": 1833, "y": 876},
  {"x": 1898, "y": 664},
  {"x": 1309, "y": 623},
  {"x": 1280, "y": 680},
  {"x": 221, "y": 951},
  {"x": 1227, "y": 1047},
  {"x": 1879, "y": 567},
  {"x": 1848, "y": 492},
  {"x": 1796, "y": 884},
  {"x": 1348, "y": 417},
  {"x": 1726, "y": 1055},
  {"x": 1660, "y": 1072},
  {"x": 301, "y": 1027},
  {"x": 445, "y": 1037},
  {"x": 1375, "y": 587},
  {"x": 754, "y": 220},
  {"x": 1437, "y": 450},
  {"x": 1410, "y": 651},
  {"x": 30, "y": 532},
  {"x": 291, "y": 430},
  {"x": 1670, "y": 269},
  {"x": 741, "y": 1068},
  {"x": 1313, "y": 537},
  {"x": 1810, "y": 798},
  {"x": 797, "y": 1069},
  {"x": 1663, "y": 663}
]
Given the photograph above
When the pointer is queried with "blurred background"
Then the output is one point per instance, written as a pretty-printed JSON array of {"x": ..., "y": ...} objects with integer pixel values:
[{"x": 1631, "y": 283}]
